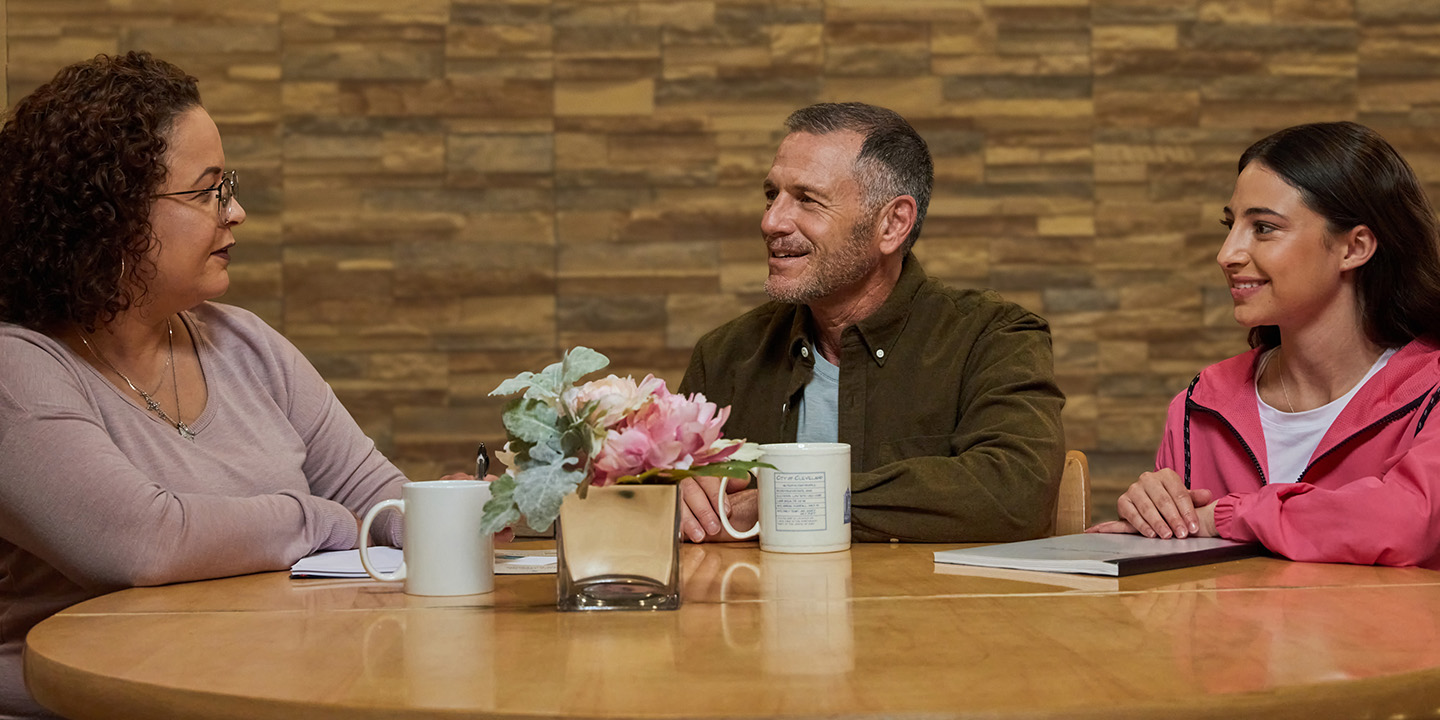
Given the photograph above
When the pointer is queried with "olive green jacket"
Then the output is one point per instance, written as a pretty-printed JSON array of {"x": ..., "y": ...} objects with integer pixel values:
[{"x": 947, "y": 399}]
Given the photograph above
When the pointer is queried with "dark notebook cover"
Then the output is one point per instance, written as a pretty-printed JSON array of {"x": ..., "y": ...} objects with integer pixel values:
[{"x": 1101, "y": 554}]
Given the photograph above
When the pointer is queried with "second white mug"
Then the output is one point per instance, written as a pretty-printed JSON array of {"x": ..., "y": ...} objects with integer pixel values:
[
  {"x": 804, "y": 501},
  {"x": 445, "y": 552}
]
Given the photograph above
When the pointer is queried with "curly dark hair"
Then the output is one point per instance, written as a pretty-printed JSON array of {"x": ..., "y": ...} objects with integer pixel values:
[{"x": 80, "y": 159}]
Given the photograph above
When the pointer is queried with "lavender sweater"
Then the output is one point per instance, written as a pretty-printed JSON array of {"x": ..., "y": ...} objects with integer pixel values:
[{"x": 98, "y": 494}]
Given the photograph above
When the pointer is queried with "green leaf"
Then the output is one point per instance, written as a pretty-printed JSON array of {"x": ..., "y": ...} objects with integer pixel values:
[
  {"x": 514, "y": 385},
  {"x": 665, "y": 476},
  {"x": 531, "y": 420},
  {"x": 545, "y": 385},
  {"x": 542, "y": 488},
  {"x": 579, "y": 362},
  {"x": 500, "y": 510},
  {"x": 730, "y": 468}
]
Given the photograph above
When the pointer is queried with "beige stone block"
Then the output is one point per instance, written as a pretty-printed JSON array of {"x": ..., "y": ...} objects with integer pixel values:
[
  {"x": 645, "y": 150},
  {"x": 1135, "y": 37},
  {"x": 1022, "y": 108},
  {"x": 1272, "y": 115},
  {"x": 939, "y": 11},
  {"x": 1121, "y": 108},
  {"x": 436, "y": 11},
  {"x": 600, "y": 98},
  {"x": 529, "y": 153},
  {"x": 387, "y": 152},
  {"x": 919, "y": 96},
  {"x": 34, "y": 61},
  {"x": 192, "y": 38},
  {"x": 796, "y": 44},
  {"x": 1236, "y": 12},
  {"x": 971, "y": 39},
  {"x": 1123, "y": 356},
  {"x": 1121, "y": 172},
  {"x": 961, "y": 262},
  {"x": 679, "y": 57},
  {"x": 1116, "y": 153},
  {"x": 689, "y": 316},
  {"x": 1066, "y": 225},
  {"x": 683, "y": 14},
  {"x": 580, "y": 150},
  {"x": 1022, "y": 155},
  {"x": 1399, "y": 94},
  {"x": 499, "y": 41},
  {"x": 369, "y": 60},
  {"x": 1303, "y": 64}
]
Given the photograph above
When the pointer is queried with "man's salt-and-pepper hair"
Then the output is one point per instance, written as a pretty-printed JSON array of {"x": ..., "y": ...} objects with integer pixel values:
[{"x": 893, "y": 160}]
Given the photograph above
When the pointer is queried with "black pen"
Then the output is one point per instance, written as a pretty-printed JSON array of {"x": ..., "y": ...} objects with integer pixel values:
[{"x": 482, "y": 462}]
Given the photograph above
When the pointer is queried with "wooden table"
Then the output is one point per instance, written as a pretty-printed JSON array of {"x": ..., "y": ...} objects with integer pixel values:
[{"x": 876, "y": 631}]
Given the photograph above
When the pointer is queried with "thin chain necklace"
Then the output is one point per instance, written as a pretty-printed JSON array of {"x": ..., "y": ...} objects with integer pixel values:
[
  {"x": 150, "y": 403},
  {"x": 1265, "y": 365}
]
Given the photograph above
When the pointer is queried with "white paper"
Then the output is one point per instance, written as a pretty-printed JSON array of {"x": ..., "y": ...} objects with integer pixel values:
[{"x": 346, "y": 563}]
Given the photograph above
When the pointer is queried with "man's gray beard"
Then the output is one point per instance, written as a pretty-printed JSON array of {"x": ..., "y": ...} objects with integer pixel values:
[{"x": 844, "y": 268}]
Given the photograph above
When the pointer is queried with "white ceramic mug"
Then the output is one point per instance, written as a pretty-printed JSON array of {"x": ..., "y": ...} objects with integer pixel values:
[
  {"x": 445, "y": 552},
  {"x": 804, "y": 501}
]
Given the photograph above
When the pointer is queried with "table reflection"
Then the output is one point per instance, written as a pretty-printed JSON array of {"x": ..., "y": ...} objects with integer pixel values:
[
  {"x": 805, "y": 620},
  {"x": 1231, "y": 643}
]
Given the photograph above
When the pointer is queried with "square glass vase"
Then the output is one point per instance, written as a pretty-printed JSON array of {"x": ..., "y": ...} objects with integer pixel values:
[{"x": 618, "y": 548}]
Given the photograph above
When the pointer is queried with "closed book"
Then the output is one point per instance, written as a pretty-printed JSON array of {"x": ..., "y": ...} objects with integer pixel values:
[{"x": 1101, "y": 554}]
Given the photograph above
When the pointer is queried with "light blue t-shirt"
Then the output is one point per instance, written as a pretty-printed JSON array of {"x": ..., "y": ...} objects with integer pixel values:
[{"x": 820, "y": 404}]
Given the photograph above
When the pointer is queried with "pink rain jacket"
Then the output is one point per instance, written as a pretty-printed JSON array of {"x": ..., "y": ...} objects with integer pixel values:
[{"x": 1371, "y": 492}]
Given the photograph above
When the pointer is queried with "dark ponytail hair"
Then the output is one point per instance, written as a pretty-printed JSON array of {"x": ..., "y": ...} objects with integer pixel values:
[{"x": 1349, "y": 175}]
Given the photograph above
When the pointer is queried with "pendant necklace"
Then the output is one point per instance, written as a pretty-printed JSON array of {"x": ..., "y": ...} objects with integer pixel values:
[{"x": 150, "y": 403}]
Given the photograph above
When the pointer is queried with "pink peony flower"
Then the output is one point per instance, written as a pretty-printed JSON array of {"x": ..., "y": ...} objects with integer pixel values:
[
  {"x": 673, "y": 431},
  {"x": 616, "y": 398}
]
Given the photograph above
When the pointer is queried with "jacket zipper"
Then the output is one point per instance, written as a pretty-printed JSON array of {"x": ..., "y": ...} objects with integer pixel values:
[
  {"x": 1398, "y": 413},
  {"x": 1402, "y": 411},
  {"x": 1253, "y": 460}
]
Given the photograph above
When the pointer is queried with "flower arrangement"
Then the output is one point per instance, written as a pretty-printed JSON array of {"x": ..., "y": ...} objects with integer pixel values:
[{"x": 565, "y": 438}]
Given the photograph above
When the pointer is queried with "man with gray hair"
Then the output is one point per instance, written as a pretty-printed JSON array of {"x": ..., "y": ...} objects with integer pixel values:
[{"x": 947, "y": 397}]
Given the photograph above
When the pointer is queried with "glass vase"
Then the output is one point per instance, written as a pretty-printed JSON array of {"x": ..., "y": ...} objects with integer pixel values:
[{"x": 618, "y": 548}]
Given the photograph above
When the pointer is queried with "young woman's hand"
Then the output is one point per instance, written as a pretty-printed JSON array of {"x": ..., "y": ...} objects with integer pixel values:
[{"x": 1159, "y": 505}]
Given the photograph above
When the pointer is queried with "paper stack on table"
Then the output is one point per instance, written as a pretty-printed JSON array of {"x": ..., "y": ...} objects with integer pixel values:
[{"x": 346, "y": 563}]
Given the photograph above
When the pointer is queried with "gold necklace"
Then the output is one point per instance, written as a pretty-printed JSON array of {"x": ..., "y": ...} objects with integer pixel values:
[
  {"x": 1283, "y": 389},
  {"x": 150, "y": 403}
]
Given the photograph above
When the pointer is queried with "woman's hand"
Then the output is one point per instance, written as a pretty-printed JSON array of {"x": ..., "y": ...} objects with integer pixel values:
[{"x": 1159, "y": 505}]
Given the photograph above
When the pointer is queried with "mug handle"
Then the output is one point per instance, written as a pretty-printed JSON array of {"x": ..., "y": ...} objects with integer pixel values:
[
  {"x": 752, "y": 532},
  {"x": 399, "y": 505},
  {"x": 725, "y": 605}
]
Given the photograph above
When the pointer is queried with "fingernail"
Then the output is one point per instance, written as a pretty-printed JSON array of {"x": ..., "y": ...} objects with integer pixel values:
[
  {"x": 713, "y": 526},
  {"x": 696, "y": 535},
  {"x": 1194, "y": 526},
  {"x": 1180, "y": 533}
]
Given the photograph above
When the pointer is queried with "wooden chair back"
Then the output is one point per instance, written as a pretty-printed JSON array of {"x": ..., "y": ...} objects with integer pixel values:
[{"x": 1072, "y": 510}]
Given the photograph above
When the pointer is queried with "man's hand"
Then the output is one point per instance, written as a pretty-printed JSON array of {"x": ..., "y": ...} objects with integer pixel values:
[{"x": 699, "y": 498}]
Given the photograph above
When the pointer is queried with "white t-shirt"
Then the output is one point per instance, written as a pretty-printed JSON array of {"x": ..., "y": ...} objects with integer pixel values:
[{"x": 1291, "y": 438}]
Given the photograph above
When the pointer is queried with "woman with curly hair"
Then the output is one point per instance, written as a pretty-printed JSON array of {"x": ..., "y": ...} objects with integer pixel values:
[
  {"x": 1320, "y": 442},
  {"x": 147, "y": 435}
]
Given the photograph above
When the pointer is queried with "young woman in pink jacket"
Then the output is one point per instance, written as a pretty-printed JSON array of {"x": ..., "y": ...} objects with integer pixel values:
[{"x": 1314, "y": 443}]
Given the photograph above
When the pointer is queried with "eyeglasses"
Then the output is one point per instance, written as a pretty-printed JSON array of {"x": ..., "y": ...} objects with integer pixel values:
[{"x": 224, "y": 190}]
